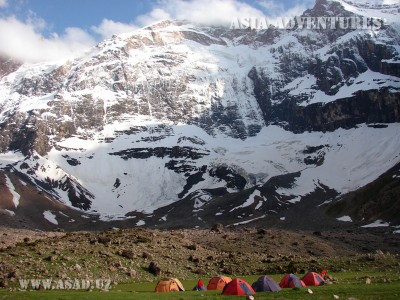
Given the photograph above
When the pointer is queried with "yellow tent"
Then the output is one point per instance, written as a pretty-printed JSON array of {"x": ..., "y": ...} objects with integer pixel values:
[
  {"x": 218, "y": 282},
  {"x": 169, "y": 285}
]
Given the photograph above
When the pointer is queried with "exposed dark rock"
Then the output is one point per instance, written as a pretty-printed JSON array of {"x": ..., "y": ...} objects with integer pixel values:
[
  {"x": 161, "y": 152},
  {"x": 104, "y": 240},
  {"x": 73, "y": 161},
  {"x": 78, "y": 195},
  {"x": 127, "y": 254},
  {"x": 378, "y": 125},
  {"x": 218, "y": 227},
  {"x": 192, "y": 247},
  {"x": 373, "y": 106},
  {"x": 151, "y": 139},
  {"x": 4, "y": 283},
  {"x": 117, "y": 183},
  {"x": 313, "y": 149},
  {"x": 181, "y": 166},
  {"x": 154, "y": 269},
  {"x": 146, "y": 255},
  {"x": 194, "y": 140},
  {"x": 52, "y": 258},
  {"x": 232, "y": 179},
  {"x": 192, "y": 180},
  {"x": 7, "y": 66}
]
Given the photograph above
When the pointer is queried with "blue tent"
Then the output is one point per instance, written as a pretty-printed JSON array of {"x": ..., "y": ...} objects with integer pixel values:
[{"x": 265, "y": 284}]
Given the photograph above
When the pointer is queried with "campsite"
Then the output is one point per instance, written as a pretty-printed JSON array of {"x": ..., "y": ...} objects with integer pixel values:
[{"x": 190, "y": 255}]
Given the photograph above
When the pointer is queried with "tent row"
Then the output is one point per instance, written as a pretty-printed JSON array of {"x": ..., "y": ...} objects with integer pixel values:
[{"x": 238, "y": 286}]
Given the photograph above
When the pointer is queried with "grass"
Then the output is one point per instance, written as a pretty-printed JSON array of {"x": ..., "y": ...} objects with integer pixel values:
[
  {"x": 351, "y": 284},
  {"x": 185, "y": 255}
]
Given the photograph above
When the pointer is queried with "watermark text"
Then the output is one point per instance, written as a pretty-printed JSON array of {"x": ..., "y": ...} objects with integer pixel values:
[
  {"x": 64, "y": 284},
  {"x": 311, "y": 23}
]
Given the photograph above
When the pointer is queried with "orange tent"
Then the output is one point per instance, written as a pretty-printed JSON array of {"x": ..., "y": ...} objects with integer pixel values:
[
  {"x": 313, "y": 279},
  {"x": 218, "y": 282},
  {"x": 169, "y": 285}
]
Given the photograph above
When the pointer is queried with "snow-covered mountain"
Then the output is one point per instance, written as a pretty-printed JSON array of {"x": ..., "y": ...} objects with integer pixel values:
[{"x": 221, "y": 124}]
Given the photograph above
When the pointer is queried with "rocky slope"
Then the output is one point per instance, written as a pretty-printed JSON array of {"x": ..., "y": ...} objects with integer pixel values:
[
  {"x": 190, "y": 124},
  {"x": 146, "y": 255},
  {"x": 379, "y": 200}
]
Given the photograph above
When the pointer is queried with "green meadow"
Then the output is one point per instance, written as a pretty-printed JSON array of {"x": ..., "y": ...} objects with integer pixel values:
[{"x": 349, "y": 285}]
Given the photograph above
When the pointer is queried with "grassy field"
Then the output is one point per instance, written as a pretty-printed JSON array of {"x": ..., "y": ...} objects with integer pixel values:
[
  {"x": 125, "y": 257},
  {"x": 383, "y": 286}
]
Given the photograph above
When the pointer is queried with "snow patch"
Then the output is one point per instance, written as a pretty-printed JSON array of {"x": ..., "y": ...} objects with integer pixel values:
[
  {"x": 377, "y": 223},
  {"x": 140, "y": 223},
  {"x": 345, "y": 219},
  {"x": 61, "y": 213},
  {"x": 10, "y": 212},
  {"x": 249, "y": 201},
  {"x": 15, "y": 195},
  {"x": 248, "y": 221},
  {"x": 10, "y": 157},
  {"x": 294, "y": 200},
  {"x": 49, "y": 216}
]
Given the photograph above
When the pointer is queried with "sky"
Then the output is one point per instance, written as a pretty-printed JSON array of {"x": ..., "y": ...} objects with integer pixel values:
[{"x": 49, "y": 30}]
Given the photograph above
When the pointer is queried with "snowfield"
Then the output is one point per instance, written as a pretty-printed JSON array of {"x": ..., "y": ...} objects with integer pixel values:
[{"x": 352, "y": 158}]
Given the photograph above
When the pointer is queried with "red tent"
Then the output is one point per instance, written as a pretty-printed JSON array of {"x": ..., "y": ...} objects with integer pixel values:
[
  {"x": 313, "y": 279},
  {"x": 238, "y": 287},
  {"x": 291, "y": 281}
]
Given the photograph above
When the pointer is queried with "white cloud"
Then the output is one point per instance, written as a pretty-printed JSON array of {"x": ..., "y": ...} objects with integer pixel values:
[
  {"x": 107, "y": 28},
  {"x": 22, "y": 41},
  {"x": 213, "y": 12},
  {"x": 157, "y": 14}
]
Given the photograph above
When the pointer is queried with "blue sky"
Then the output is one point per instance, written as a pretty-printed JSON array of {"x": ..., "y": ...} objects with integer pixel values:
[
  {"x": 61, "y": 14},
  {"x": 67, "y": 27}
]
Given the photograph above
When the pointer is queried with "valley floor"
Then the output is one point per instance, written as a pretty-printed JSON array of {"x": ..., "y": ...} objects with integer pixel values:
[
  {"x": 140, "y": 254},
  {"x": 350, "y": 286}
]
